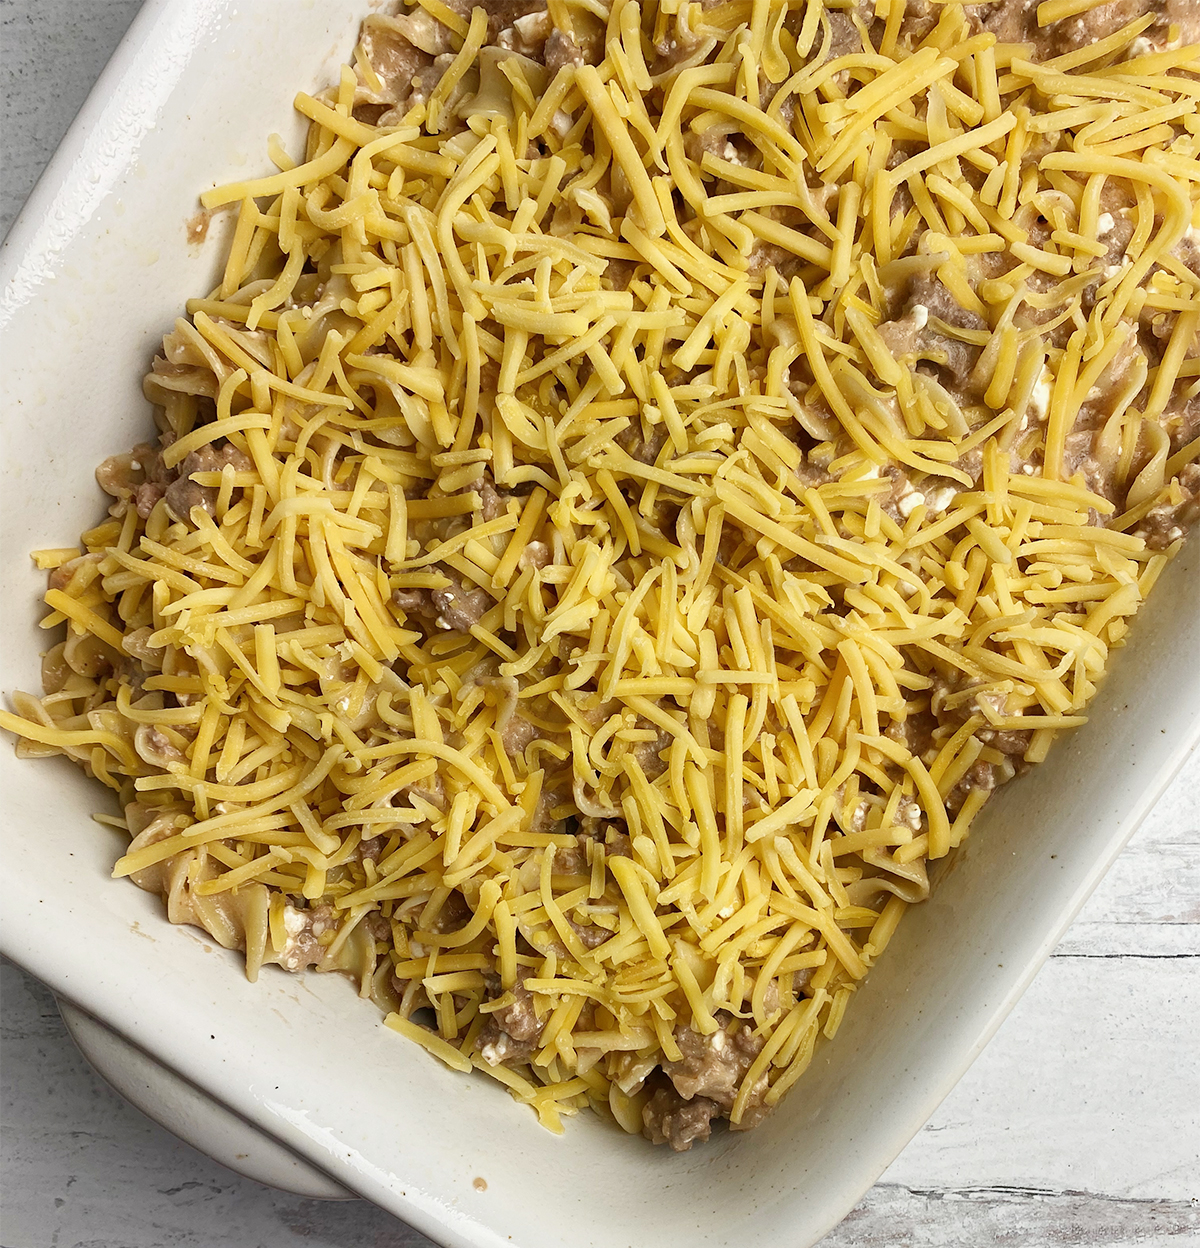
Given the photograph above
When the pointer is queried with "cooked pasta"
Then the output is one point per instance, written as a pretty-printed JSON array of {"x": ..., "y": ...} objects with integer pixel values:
[{"x": 647, "y": 474}]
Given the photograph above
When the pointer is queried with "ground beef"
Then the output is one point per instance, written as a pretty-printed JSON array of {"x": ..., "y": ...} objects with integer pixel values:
[
  {"x": 916, "y": 337},
  {"x": 612, "y": 833},
  {"x": 137, "y": 477},
  {"x": 460, "y": 609},
  {"x": 1009, "y": 20},
  {"x": 641, "y": 444},
  {"x": 649, "y": 753},
  {"x": 720, "y": 141},
  {"x": 591, "y": 935},
  {"x": 668, "y": 1119},
  {"x": 452, "y": 608},
  {"x": 928, "y": 292},
  {"x": 714, "y": 1066},
  {"x": 527, "y": 34},
  {"x": 550, "y": 800},
  {"x": 764, "y": 256},
  {"x": 183, "y": 493},
  {"x": 494, "y": 500},
  {"x": 978, "y": 776},
  {"x": 517, "y": 734},
  {"x": 675, "y": 53},
  {"x": 1168, "y": 522},
  {"x": 562, "y": 50},
  {"x": 844, "y": 36},
  {"x": 141, "y": 479},
  {"x": 454, "y": 914},
  {"x": 577, "y": 859},
  {"x": 583, "y": 46},
  {"x": 1015, "y": 21},
  {"x": 502, "y": 14},
  {"x": 619, "y": 273},
  {"x": 510, "y": 1035},
  {"x": 1115, "y": 229},
  {"x": 304, "y": 928},
  {"x": 1184, "y": 425},
  {"x": 372, "y": 847},
  {"x": 491, "y": 501},
  {"x": 1085, "y": 29},
  {"x": 391, "y": 48},
  {"x": 1008, "y": 741},
  {"x": 703, "y": 1085},
  {"x": 920, "y": 17}
]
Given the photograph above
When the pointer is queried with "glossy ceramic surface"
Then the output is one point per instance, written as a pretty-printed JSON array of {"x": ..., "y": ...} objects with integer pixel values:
[
  {"x": 192, "y": 1115},
  {"x": 95, "y": 271}
]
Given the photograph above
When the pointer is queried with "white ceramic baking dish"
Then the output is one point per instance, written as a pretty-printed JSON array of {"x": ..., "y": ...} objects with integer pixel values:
[{"x": 96, "y": 269}]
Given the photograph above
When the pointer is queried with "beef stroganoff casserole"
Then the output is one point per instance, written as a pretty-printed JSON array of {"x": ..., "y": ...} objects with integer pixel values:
[{"x": 647, "y": 475}]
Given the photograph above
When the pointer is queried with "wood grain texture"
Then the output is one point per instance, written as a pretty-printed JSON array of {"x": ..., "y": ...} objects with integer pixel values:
[{"x": 1078, "y": 1127}]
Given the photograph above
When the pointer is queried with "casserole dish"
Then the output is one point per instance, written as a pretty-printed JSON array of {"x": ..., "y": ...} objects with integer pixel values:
[{"x": 182, "y": 107}]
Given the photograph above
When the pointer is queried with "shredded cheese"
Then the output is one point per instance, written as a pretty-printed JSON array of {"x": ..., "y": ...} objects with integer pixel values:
[{"x": 617, "y": 525}]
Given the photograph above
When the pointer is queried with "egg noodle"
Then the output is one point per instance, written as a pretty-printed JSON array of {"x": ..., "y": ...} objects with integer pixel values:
[{"x": 647, "y": 474}]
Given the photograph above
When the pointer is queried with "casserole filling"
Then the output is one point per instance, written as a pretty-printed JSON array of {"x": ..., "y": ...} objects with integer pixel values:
[{"x": 647, "y": 475}]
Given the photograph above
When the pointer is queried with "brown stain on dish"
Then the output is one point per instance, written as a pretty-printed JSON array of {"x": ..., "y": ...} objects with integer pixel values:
[
  {"x": 480, "y": 1185},
  {"x": 197, "y": 226}
]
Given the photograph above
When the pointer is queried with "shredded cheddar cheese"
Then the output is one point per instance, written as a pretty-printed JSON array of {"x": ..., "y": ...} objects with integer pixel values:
[{"x": 583, "y": 586}]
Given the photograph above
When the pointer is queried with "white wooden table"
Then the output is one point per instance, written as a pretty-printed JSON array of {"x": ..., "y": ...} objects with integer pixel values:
[{"x": 1080, "y": 1124}]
